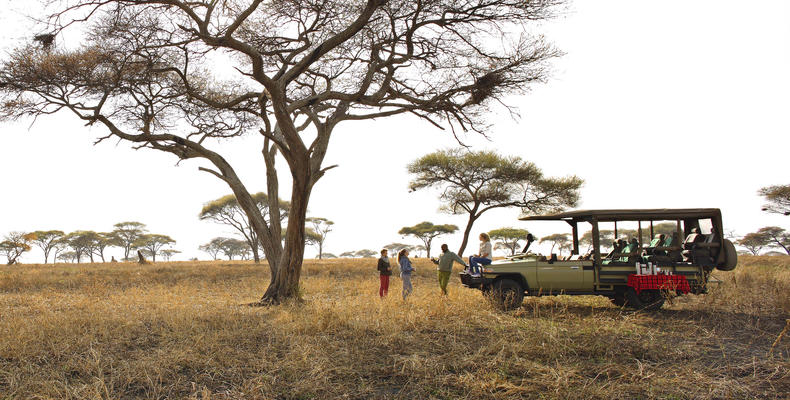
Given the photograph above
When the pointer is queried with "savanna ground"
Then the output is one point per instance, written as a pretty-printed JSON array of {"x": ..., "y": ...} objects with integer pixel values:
[{"x": 180, "y": 330}]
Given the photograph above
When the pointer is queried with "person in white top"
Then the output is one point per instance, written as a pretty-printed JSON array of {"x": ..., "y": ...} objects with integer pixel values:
[{"x": 482, "y": 258}]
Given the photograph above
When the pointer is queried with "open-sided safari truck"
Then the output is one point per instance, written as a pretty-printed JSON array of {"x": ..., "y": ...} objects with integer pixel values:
[{"x": 685, "y": 254}]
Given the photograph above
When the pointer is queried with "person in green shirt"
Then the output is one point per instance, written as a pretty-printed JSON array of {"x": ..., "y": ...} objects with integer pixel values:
[{"x": 445, "y": 266}]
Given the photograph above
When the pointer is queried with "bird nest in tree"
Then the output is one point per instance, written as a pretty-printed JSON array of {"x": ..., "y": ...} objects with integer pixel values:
[{"x": 485, "y": 86}]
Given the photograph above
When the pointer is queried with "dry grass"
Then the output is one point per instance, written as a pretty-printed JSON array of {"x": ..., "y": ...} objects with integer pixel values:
[{"x": 177, "y": 330}]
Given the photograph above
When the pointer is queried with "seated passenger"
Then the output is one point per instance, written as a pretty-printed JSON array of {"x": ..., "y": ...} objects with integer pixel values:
[
  {"x": 617, "y": 247},
  {"x": 658, "y": 241},
  {"x": 629, "y": 253}
]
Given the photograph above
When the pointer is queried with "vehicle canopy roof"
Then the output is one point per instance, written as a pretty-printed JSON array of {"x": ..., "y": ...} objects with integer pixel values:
[{"x": 656, "y": 214}]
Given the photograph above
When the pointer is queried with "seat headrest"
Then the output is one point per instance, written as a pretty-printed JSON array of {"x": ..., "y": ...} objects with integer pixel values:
[{"x": 695, "y": 230}]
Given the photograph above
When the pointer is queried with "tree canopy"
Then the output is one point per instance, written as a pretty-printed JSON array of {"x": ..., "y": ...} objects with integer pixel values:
[
  {"x": 777, "y": 237},
  {"x": 508, "y": 238},
  {"x": 559, "y": 240},
  {"x": 15, "y": 244},
  {"x": 473, "y": 182},
  {"x": 778, "y": 199},
  {"x": 126, "y": 234},
  {"x": 427, "y": 231},
  {"x": 153, "y": 242},
  {"x": 754, "y": 242},
  {"x": 146, "y": 73},
  {"x": 46, "y": 241}
]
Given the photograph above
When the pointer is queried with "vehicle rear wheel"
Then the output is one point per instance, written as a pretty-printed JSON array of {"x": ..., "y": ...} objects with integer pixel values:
[
  {"x": 649, "y": 299},
  {"x": 618, "y": 299},
  {"x": 507, "y": 294}
]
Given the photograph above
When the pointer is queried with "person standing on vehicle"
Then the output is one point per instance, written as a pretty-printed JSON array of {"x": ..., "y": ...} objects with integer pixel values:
[
  {"x": 445, "y": 267},
  {"x": 385, "y": 271},
  {"x": 405, "y": 272},
  {"x": 484, "y": 257}
]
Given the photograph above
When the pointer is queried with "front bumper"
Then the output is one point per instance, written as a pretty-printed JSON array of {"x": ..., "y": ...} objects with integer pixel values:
[{"x": 477, "y": 282}]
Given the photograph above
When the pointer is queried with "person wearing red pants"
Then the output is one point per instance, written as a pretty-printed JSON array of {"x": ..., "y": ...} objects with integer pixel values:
[{"x": 385, "y": 271}]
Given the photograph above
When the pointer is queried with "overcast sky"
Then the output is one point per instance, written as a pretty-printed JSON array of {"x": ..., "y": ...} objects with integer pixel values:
[{"x": 655, "y": 104}]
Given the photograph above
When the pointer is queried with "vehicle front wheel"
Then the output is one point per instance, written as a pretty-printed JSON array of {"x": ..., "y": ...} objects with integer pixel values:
[
  {"x": 618, "y": 299},
  {"x": 507, "y": 294},
  {"x": 649, "y": 299}
]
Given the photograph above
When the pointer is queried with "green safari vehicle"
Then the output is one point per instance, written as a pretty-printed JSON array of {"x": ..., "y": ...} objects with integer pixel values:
[{"x": 692, "y": 250}]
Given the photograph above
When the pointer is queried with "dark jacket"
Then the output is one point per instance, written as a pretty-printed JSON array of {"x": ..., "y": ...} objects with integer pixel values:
[{"x": 384, "y": 266}]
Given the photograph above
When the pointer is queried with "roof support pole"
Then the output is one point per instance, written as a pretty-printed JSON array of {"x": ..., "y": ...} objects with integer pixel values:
[
  {"x": 575, "y": 226},
  {"x": 639, "y": 233},
  {"x": 596, "y": 242}
]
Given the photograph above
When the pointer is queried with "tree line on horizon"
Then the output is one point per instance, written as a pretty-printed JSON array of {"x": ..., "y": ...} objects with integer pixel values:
[{"x": 74, "y": 246}]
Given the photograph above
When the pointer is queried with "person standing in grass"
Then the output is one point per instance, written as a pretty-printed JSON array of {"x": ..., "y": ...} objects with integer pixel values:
[
  {"x": 385, "y": 271},
  {"x": 405, "y": 272},
  {"x": 484, "y": 257},
  {"x": 445, "y": 263}
]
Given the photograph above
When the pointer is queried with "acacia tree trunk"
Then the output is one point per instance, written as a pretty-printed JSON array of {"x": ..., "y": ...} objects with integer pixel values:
[
  {"x": 472, "y": 218},
  {"x": 285, "y": 283},
  {"x": 255, "y": 255}
]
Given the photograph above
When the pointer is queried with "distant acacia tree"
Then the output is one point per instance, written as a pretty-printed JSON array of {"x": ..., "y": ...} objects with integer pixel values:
[
  {"x": 15, "y": 244},
  {"x": 168, "y": 253},
  {"x": 777, "y": 237},
  {"x": 321, "y": 228},
  {"x": 100, "y": 242},
  {"x": 348, "y": 254},
  {"x": 475, "y": 182},
  {"x": 227, "y": 211},
  {"x": 427, "y": 231},
  {"x": 418, "y": 249},
  {"x": 557, "y": 240},
  {"x": 508, "y": 238},
  {"x": 754, "y": 242},
  {"x": 67, "y": 256},
  {"x": 606, "y": 238},
  {"x": 778, "y": 198},
  {"x": 231, "y": 247},
  {"x": 46, "y": 241},
  {"x": 365, "y": 253},
  {"x": 666, "y": 228},
  {"x": 213, "y": 247},
  {"x": 394, "y": 248},
  {"x": 298, "y": 69},
  {"x": 152, "y": 243},
  {"x": 81, "y": 243},
  {"x": 58, "y": 247},
  {"x": 329, "y": 255},
  {"x": 126, "y": 234}
]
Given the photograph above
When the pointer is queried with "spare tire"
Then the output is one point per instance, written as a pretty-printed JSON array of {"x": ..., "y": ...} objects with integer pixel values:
[{"x": 730, "y": 257}]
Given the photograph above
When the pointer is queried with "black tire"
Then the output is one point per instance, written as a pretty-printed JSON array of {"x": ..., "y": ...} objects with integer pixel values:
[
  {"x": 618, "y": 299},
  {"x": 730, "y": 257},
  {"x": 649, "y": 300},
  {"x": 507, "y": 294}
]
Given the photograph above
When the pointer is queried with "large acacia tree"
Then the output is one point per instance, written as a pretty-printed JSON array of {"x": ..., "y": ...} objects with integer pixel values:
[
  {"x": 474, "y": 182},
  {"x": 178, "y": 76}
]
